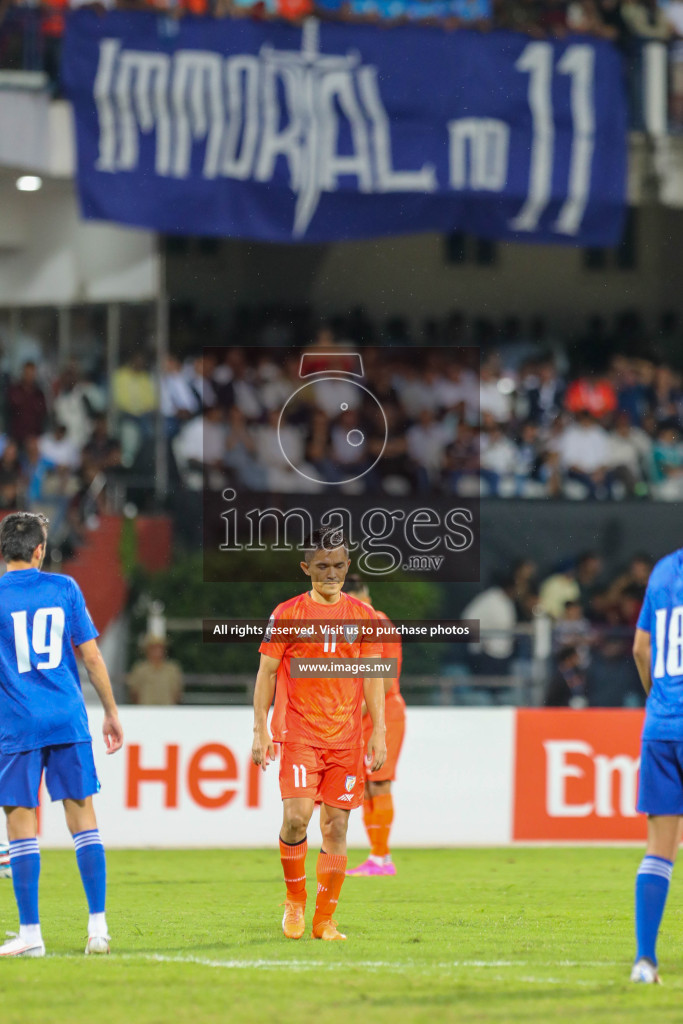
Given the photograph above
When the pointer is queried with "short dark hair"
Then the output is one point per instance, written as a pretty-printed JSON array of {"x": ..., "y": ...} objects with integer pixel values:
[
  {"x": 20, "y": 535},
  {"x": 355, "y": 584},
  {"x": 327, "y": 539}
]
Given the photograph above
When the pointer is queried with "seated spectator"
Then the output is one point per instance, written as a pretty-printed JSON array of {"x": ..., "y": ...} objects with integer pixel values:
[
  {"x": 199, "y": 371},
  {"x": 493, "y": 398},
  {"x": 349, "y": 451},
  {"x": 200, "y": 447},
  {"x": 458, "y": 391},
  {"x": 426, "y": 443},
  {"x": 542, "y": 392},
  {"x": 281, "y": 447},
  {"x": 499, "y": 460},
  {"x": 58, "y": 450},
  {"x": 665, "y": 393},
  {"x": 591, "y": 394},
  {"x": 241, "y": 452},
  {"x": 461, "y": 462},
  {"x": 387, "y": 438},
  {"x": 155, "y": 679},
  {"x": 667, "y": 464},
  {"x": 630, "y": 451},
  {"x": 634, "y": 397},
  {"x": 584, "y": 455},
  {"x": 528, "y": 460},
  {"x": 102, "y": 449},
  {"x": 568, "y": 686}
]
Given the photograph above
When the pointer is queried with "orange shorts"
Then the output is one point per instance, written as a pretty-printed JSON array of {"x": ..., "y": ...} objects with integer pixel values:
[
  {"x": 396, "y": 728},
  {"x": 333, "y": 777}
]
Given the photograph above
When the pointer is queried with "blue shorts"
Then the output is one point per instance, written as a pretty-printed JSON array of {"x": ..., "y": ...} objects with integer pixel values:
[
  {"x": 660, "y": 790},
  {"x": 69, "y": 774}
]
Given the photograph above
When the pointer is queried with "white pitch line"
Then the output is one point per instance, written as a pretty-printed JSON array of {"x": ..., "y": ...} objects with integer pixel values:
[{"x": 369, "y": 965}]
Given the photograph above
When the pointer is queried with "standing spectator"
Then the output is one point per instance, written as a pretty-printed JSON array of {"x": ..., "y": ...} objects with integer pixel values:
[
  {"x": 495, "y": 609},
  {"x": 76, "y": 402},
  {"x": 135, "y": 400},
  {"x": 26, "y": 406},
  {"x": 588, "y": 569},
  {"x": 155, "y": 679},
  {"x": 179, "y": 402},
  {"x": 557, "y": 590},
  {"x": 574, "y": 630}
]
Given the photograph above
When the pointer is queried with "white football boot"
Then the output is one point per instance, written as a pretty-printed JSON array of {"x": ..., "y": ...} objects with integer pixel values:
[
  {"x": 97, "y": 945},
  {"x": 18, "y": 947},
  {"x": 645, "y": 972}
]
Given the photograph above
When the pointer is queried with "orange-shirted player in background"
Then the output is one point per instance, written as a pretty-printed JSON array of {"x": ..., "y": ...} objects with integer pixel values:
[
  {"x": 378, "y": 805},
  {"x": 322, "y": 750}
]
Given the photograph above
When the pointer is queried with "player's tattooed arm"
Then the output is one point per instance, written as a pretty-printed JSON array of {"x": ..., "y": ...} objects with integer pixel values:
[
  {"x": 642, "y": 657},
  {"x": 373, "y": 694},
  {"x": 263, "y": 748},
  {"x": 99, "y": 677}
]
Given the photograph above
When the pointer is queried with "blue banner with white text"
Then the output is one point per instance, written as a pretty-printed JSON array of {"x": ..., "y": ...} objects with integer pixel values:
[{"x": 277, "y": 133}]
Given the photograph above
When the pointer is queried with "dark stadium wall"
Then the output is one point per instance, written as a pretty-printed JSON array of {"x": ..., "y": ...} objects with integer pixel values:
[{"x": 410, "y": 276}]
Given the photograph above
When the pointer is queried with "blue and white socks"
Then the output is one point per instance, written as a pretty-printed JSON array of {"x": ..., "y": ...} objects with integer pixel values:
[
  {"x": 652, "y": 887},
  {"x": 93, "y": 868},
  {"x": 25, "y": 860}
]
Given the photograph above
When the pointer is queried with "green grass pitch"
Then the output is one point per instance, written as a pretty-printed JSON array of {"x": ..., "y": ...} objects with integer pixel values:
[{"x": 527, "y": 935}]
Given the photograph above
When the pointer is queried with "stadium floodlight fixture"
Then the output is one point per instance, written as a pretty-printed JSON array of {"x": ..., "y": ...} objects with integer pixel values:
[{"x": 29, "y": 183}]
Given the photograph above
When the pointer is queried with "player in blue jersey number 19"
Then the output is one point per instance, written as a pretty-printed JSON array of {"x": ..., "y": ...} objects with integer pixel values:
[
  {"x": 658, "y": 652},
  {"x": 44, "y": 726}
]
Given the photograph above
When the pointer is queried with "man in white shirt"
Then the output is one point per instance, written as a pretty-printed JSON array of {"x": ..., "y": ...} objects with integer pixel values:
[{"x": 584, "y": 451}]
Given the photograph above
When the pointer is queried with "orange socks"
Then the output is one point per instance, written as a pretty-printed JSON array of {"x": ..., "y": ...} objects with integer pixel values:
[
  {"x": 331, "y": 871},
  {"x": 294, "y": 866},
  {"x": 378, "y": 815}
]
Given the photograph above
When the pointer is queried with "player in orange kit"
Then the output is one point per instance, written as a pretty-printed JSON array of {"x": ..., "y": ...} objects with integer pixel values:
[
  {"x": 322, "y": 751},
  {"x": 378, "y": 805}
]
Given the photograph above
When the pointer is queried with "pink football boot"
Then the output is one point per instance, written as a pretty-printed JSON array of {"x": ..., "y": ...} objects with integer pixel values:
[{"x": 369, "y": 869}]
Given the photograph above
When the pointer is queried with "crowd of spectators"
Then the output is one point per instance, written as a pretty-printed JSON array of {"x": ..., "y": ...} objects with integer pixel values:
[
  {"x": 56, "y": 453},
  {"x": 593, "y": 616},
  {"x": 516, "y": 415},
  {"x": 526, "y": 424}
]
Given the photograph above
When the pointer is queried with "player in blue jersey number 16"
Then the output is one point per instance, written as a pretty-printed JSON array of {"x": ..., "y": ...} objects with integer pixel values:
[
  {"x": 658, "y": 652},
  {"x": 44, "y": 725}
]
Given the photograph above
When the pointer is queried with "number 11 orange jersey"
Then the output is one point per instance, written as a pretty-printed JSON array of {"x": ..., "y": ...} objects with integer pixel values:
[{"x": 323, "y": 712}]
